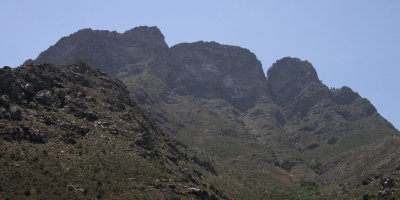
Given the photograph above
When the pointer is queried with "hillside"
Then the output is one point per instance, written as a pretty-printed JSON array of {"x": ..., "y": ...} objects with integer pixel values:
[
  {"x": 281, "y": 136},
  {"x": 72, "y": 132}
]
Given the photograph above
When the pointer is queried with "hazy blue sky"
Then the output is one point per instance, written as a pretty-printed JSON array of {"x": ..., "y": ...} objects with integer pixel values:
[{"x": 350, "y": 42}]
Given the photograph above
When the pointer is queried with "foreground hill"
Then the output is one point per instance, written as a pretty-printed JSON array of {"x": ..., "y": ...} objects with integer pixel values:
[
  {"x": 72, "y": 132},
  {"x": 284, "y": 136}
]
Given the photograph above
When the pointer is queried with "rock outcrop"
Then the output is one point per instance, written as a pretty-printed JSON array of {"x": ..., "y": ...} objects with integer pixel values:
[{"x": 213, "y": 71}]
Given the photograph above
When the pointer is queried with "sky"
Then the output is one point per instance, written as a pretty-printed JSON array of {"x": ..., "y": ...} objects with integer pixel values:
[{"x": 353, "y": 43}]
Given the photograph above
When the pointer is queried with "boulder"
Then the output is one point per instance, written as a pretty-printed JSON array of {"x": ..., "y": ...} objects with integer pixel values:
[
  {"x": 16, "y": 113},
  {"x": 24, "y": 133},
  {"x": 91, "y": 116},
  {"x": 5, "y": 101},
  {"x": 29, "y": 89},
  {"x": 44, "y": 97},
  {"x": 4, "y": 114},
  {"x": 36, "y": 136}
]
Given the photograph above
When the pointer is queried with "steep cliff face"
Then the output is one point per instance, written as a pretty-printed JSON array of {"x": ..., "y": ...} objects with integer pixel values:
[
  {"x": 294, "y": 85},
  {"x": 108, "y": 51},
  {"x": 288, "y": 77},
  {"x": 214, "y": 71}
]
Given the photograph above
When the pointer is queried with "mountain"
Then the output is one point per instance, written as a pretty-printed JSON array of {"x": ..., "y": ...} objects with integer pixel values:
[
  {"x": 284, "y": 136},
  {"x": 73, "y": 132}
]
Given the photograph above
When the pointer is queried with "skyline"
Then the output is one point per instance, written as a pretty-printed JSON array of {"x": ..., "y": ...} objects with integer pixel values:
[{"x": 355, "y": 44}]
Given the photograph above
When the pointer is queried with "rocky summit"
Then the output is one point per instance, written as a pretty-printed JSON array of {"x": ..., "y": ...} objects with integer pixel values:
[
  {"x": 108, "y": 51},
  {"x": 242, "y": 134},
  {"x": 213, "y": 71}
]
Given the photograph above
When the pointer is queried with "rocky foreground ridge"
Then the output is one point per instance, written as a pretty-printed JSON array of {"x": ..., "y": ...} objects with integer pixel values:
[
  {"x": 278, "y": 136},
  {"x": 74, "y": 132}
]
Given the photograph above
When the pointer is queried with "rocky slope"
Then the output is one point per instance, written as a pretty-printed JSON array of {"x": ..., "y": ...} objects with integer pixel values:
[
  {"x": 278, "y": 137},
  {"x": 72, "y": 132}
]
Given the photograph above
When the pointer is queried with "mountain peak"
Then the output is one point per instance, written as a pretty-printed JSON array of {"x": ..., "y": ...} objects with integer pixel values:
[
  {"x": 108, "y": 51},
  {"x": 211, "y": 70},
  {"x": 288, "y": 76},
  {"x": 145, "y": 35},
  {"x": 292, "y": 69}
]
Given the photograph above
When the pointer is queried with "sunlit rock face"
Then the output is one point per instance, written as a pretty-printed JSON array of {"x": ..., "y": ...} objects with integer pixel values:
[{"x": 211, "y": 70}]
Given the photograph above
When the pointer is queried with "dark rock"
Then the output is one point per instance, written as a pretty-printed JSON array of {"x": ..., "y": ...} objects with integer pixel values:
[
  {"x": 79, "y": 113},
  {"x": 256, "y": 113},
  {"x": 365, "y": 182},
  {"x": 13, "y": 133},
  {"x": 114, "y": 131},
  {"x": 5, "y": 101},
  {"x": 44, "y": 97},
  {"x": 332, "y": 140},
  {"x": 201, "y": 194},
  {"x": 286, "y": 164},
  {"x": 68, "y": 138},
  {"x": 24, "y": 133},
  {"x": 121, "y": 106},
  {"x": 79, "y": 103},
  {"x": 309, "y": 128},
  {"x": 344, "y": 95},
  {"x": 69, "y": 109},
  {"x": 387, "y": 183},
  {"x": 80, "y": 95},
  {"x": 36, "y": 136},
  {"x": 48, "y": 120},
  {"x": 4, "y": 114},
  {"x": 345, "y": 114},
  {"x": 83, "y": 130},
  {"x": 91, "y": 116},
  {"x": 16, "y": 113},
  {"x": 311, "y": 146},
  {"x": 385, "y": 192},
  {"x": 29, "y": 89},
  {"x": 73, "y": 127},
  {"x": 277, "y": 115},
  {"x": 71, "y": 188},
  {"x": 367, "y": 109},
  {"x": 146, "y": 141},
  {"x": 11, "y": 85},
  {"x": 204, "y": 164},
  {"x": 91, "y": 99}
]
